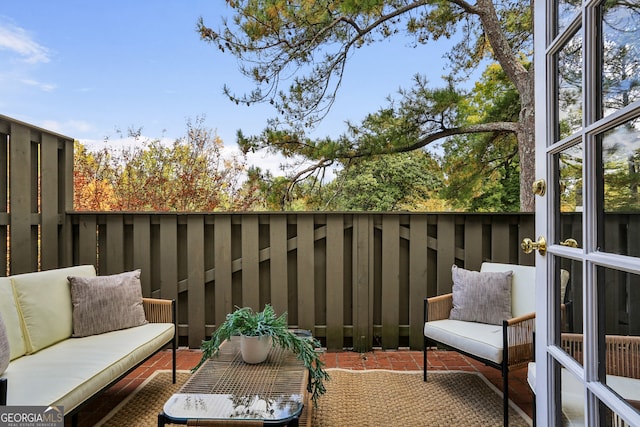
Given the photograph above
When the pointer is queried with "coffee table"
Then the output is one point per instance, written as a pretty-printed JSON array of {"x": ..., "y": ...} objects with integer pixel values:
[{"x": 225, "y": 390}]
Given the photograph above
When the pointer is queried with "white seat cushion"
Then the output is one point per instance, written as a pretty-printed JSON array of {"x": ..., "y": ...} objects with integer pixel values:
[
  {"x": 479, "y": 339},
  {"x": 47, "y": 378}
]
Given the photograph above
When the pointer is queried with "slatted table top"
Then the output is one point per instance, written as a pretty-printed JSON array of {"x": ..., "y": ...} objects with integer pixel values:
[{"x": 227, "y": 388}]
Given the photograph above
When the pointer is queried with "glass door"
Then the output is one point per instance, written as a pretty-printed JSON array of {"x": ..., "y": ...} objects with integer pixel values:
[{"x": 587, "y": 64}]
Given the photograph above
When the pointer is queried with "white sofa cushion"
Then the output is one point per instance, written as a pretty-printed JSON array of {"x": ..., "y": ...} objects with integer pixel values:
[
  {"x": 44, "y": 302},
  {"x": 523, "y": 286},
  {"x": 97, "y": 361},
  {"x": 480, "y": 339},
  {"x": 9, "y": 313}
]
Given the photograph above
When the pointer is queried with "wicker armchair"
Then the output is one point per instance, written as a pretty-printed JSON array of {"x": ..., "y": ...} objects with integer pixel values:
[
  {"x": 505, "y": 347},
  {"x": 622, "y": 370}
]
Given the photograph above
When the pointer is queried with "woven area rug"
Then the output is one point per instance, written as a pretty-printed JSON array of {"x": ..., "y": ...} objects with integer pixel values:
[
  {"x": 363, "y": 398},
  {"x": 377, "y": 397}
]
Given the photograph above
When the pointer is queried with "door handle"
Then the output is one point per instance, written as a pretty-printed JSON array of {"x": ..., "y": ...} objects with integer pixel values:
[
  {"x": 529, "y": 245},
  {"x": 572, "y": 243},
  {"x": 539, "y": 187}
]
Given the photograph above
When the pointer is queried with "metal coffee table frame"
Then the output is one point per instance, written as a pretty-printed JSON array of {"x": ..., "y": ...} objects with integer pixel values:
[{"x": 227, "y": 390}]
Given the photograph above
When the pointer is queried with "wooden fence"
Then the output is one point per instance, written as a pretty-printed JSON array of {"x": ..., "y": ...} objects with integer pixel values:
[
  {"x": 354, "y": 279},
  {"x": 36, "y": 192}
]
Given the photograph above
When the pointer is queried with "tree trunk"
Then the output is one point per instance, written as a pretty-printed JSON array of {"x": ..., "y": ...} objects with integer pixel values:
[{"x": 527, "y": 152}]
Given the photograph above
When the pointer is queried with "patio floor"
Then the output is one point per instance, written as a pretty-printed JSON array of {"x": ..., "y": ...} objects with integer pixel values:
[{"x": 400, "y": 360}]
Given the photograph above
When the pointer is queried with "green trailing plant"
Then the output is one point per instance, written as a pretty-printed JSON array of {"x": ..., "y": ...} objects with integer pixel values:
[{"x": 244, "y": 321}]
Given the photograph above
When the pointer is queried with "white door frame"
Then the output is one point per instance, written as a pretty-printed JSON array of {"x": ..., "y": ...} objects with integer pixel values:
[{"x": 548, "y": 356}]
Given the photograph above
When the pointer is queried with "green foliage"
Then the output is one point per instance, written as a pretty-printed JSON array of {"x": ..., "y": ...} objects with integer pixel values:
[
  {"x": 483, "y": 173},
  {"x": 405, "y": 181},
  {"x": 244, "y": 321}
]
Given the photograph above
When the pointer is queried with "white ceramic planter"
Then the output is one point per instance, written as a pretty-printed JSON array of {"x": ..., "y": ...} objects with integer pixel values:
[{"x": 255, "y": 349}]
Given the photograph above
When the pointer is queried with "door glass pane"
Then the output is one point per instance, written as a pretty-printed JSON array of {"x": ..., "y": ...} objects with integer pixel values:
[
  {"x": 569, "y": 296},
  {"x": 568, "y": 288},
  {"x": 569, "y": 87},
  {"x": 619, "y": 316},
  {"x": 572, "y": 395},
  {"x": 619, "y": 179},
  {"x": 621, "y": 54},
  {"x": 569, "y": 189},
  {"x": 566, "y": 11}
]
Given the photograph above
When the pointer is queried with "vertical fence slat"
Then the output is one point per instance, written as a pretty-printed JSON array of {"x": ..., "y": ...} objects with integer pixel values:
[
  {"x": 417, "y": 278},
  {"x": 390, "y": 281},
  {"x": 49, "y": 209},
  {"x": 499, "y": 241},
  {"x": 306, "y": 268},
  {"x": 66, "y": 232},
  {"x": 168, "y": 268},
  {"x": 251, "y": 262},
  {"x": 446, "y": 252},
  {"x": 335, "y": 282},
  {"x": 115, "y": 246},
  {"x": 142, "y": 251},
  {"x": 472, "y": 235},
  {"x": 20, "y": 200},
  {"x": 195, "y": 275},
  {"x": 223, "y": 270},
  {"x": 362, "y": 282},
  {"x": 88, "y": 240},
  {"x": 278, "y": 261}
]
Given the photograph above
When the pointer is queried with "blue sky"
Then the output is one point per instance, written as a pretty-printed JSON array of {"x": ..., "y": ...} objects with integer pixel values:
[{"x": 86, "y": 68}]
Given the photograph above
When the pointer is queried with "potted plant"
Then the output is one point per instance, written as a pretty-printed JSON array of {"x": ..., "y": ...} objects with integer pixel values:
[{"x": 245, "y": 322}]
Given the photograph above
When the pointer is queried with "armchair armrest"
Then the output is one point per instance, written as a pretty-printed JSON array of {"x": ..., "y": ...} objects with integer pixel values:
[
  {"x": 623, "y": 353},
  {"x": 159, "y": 310},
  {"x": 520, "y": 319},
  {"x": 518, "y": 335},
  {"x": 438, "y": 307}
]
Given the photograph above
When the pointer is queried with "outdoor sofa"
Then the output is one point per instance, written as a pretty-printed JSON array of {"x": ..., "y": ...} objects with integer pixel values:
[{"x": 66, "y": 335}]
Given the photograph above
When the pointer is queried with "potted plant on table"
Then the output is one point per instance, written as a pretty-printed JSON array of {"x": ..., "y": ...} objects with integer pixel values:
[{"x": 266, "y": 326}]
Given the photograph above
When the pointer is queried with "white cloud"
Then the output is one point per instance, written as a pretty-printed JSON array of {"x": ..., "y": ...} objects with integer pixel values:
[
  {"x": 17, "y": 40},
  {"x": 267, "y": 161},
  {"x": 46, "y": 87},
  {"x": 67, "y": 128}
]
